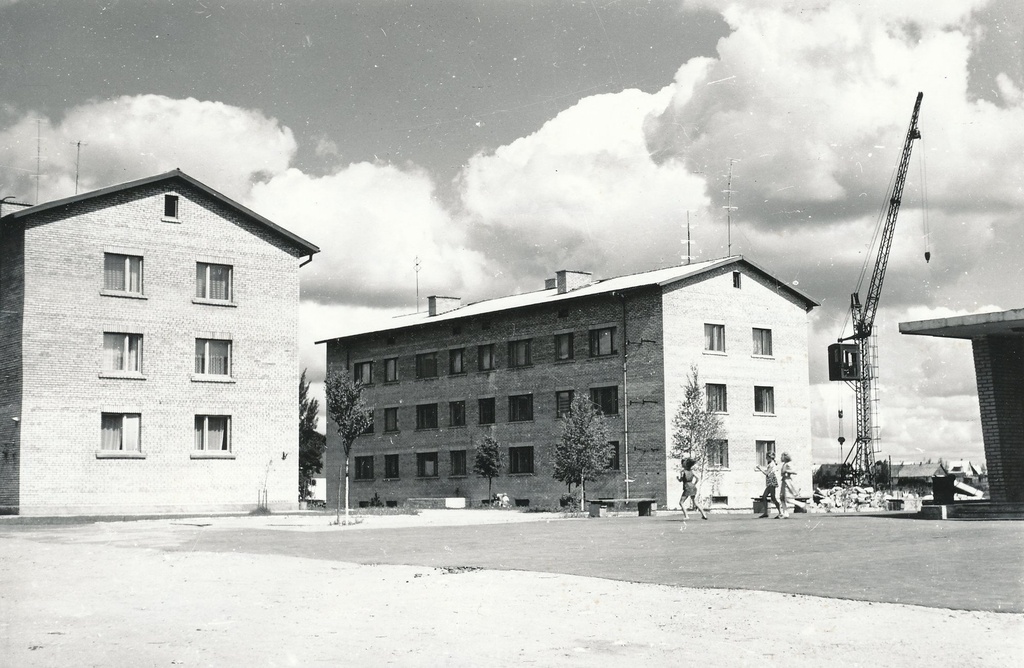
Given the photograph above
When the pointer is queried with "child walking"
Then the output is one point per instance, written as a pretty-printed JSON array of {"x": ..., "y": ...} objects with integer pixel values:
[
  {"x": 689, "y": 480},
  {"x": 771, "y": 483}
]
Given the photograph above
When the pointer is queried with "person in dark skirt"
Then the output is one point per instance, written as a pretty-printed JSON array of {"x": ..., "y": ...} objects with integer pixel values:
[{"x": 689, "y": 480}]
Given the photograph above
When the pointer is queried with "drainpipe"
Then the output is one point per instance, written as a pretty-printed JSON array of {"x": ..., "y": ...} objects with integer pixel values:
[
  {"x": 625, "y": 392},
  {"x": 306, "y": 261}
]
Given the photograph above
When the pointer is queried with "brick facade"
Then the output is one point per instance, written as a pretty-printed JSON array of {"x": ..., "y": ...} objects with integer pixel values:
[
  {"x": 659, "y": 333},
  {"x": 65, "y": 388},
  {"x": 999, "y": 367}
]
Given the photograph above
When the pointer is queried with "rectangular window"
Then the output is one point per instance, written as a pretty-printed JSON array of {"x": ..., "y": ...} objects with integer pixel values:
[
  {"x": 762, "y": 342},
  {"x": 213, "y": 281},
  {"x": 485, "y": 357},
  {"x": 486, "y": 409},
  {"x": 718, "y": 400},
  {"x": 520, "y": 408},
  {"x": 763, "y": 449},
  {"x": 563, "y": 346},
  {"x": 391, "y": 370},
  {"x": 602, "y": 342},
  {"x": 520, "y": 459},
  {"x": 362, "y": 373},
  {"x": 213, "y": 357},
  {"x": 390, "y": 419},
  {"x": 606, "y": 399},
  {"x": 426, "y": 365},
  {"x": 764, "y": 400},
  {"x": 426, "y": 416},
  {"x": 364, "y": 468},
  {"x": 457, "y": 413},
  {"x": 714, "y": 338},
  {"x": 122, "y": 273},
  {"x": 426, "y": 464},
  {"x": 213, "y": 433},
  {"x": 120, "y": 431},
  {"x": 391, "y": 467},
  {"x": 718, "y": 453},
  {"x": 456, "y": 359},
  {"x": 122, "y": 352},
  {"x": 170, "y": 206},
  {"x": 613, "y": 456},
  {"x": 369, "y": 423},
  {"x": 458, "y": 459},
  {"x": 563, "y": 401},
  {"x": 737, "y": 279},
  {"x": 519, "y": 353}
]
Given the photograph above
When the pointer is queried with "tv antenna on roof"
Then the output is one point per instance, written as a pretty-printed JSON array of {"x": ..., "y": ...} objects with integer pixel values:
[
  {"x": 78, "y": 158},
  {"x": 729, "y": 208},
  {"x": 416, "y": 266}
]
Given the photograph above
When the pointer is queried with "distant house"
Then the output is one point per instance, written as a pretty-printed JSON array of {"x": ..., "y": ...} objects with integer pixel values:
[
  {"x": 914, "y": 477},
  {"x": 440, "y": 380},
  {"x": 148, "y": 353},
  {"x": 964, "y": 471}
]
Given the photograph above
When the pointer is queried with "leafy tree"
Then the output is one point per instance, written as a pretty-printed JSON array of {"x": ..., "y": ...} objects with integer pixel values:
[
  {"x": 489, "y": 461},
  {"x": 311, "y": 443},
  {"x": 351, "y": 418},
  {"x": 583, "y": 452},
  {"x": 697, "y": 432}
]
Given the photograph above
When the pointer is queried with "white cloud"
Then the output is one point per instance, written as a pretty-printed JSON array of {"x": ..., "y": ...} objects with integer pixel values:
[
  {"x": 568, "y": 195},
  {"x": 372, "y": 222},
  {"x": 133, "y": 137}
]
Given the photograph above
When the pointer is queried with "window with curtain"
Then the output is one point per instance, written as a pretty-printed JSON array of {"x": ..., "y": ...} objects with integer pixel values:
[
  {"x": 606, "y": 399},
  {"x": 563, "y": 346},
  {"x": 520, "y": 408},
  {"x": 122, "y": 352},
  {"x": 391, "y": 370},
  {"x": 120, "y": 431},
  {"x": 122, "y": 273},
  {"x": 213, "y": 433},
  {"x": 762, "y": 342},
  {"x": 426, "y": 365},
  {"x": 762, "y": 449},
  {"x": 213, "y": 281},
  {"x": 764, "y": 400},
  {"x": 458, "y": 461},
  {"x": 563, "y": 402},
  {"x": 485, "y": 357},
  {"x": 718, "y": 453},
  {"x": 717, "y": 398},
  {"x": 519, "y": 353},
  {"x": 362, "y": 373},
  {"x": 391, "y": 471},
  {"x": 213, "y": 357},
  {"x": 456, "y": 357},
  {"x": 602, "y": 342},
  {"x": 714, "y": 338}
]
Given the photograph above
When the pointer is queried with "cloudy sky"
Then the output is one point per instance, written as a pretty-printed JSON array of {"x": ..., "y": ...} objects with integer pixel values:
[{"x": 500, "y": 141}]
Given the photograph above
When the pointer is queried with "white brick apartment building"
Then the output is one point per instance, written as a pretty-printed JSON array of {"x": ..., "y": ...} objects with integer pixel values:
[
  {"x": 441, "y": 379},
  {"x": 149, "y": 355}
]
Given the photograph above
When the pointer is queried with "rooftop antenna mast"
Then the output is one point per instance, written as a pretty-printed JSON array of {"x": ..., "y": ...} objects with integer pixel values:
[
  {"x": 39, "y": 145},
  {"x": 689, "y": 255},
  {"x": 78, "y": 159},
  {"x": 417, "y": 268},
  {"x": 729, "y": 208}
]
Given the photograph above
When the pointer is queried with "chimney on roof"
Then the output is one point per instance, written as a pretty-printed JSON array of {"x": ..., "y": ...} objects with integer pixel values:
[
  {"x": 438, "y": 305},
  {"x": 550, "y": 283},
  {"x": 567, "y": 281}
]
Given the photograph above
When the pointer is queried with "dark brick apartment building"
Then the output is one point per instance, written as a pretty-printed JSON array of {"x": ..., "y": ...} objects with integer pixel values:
[{"x": 441, "y": 379}]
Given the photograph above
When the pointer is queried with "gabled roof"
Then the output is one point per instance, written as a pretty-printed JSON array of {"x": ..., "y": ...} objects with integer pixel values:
[
  {"x": 173, "y": 175},
  {"x": 658, "y": 277}
]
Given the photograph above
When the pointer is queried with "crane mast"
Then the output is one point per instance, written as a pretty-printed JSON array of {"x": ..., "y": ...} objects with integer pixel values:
[{"x": 854, "y": 363}]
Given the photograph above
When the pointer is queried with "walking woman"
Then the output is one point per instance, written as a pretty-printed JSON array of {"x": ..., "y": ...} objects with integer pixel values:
[
  {"x": 771, "y": 483},
  {"x": 788, "y": 491},
  {"x": 689, "y": 480}
]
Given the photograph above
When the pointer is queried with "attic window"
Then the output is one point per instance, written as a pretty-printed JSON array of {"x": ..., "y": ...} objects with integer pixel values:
[
  {"x": 171, "y": 206},
  {"x": 737, "y": 279}
]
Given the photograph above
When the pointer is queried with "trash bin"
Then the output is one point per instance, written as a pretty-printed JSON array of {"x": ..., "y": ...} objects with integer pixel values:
[{"x": 942, "y": 489}]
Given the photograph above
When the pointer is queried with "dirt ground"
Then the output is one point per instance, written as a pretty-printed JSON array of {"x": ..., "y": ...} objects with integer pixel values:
[{"x": 133, "y": 594}]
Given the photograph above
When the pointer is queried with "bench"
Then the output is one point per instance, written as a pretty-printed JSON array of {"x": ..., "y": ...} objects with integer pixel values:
[
  {"x": 799, "y": 504},
  {"x": 645, "y": 507}
]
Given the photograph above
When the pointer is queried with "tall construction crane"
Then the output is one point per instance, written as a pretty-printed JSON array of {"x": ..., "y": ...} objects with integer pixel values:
[{"x": 853, "y": 363}]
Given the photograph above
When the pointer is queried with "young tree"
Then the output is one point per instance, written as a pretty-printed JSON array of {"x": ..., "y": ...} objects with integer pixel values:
[
  {"x": 489, "y": 461},
  {"x": 311, "y": 443},
  {"x": 696, "y": 432},
  {"x": 351, "y": 418},
  {"x": 583, "y": 451}
]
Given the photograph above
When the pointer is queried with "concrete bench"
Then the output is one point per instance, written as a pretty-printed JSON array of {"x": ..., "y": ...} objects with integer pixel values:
[{"x": 645, "y": 507}]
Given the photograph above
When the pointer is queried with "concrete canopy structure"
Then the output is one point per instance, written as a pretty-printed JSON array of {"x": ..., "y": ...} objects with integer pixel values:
[
  {"x": 149, "y": 353},
  {"x": 997, "y": 340}
]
